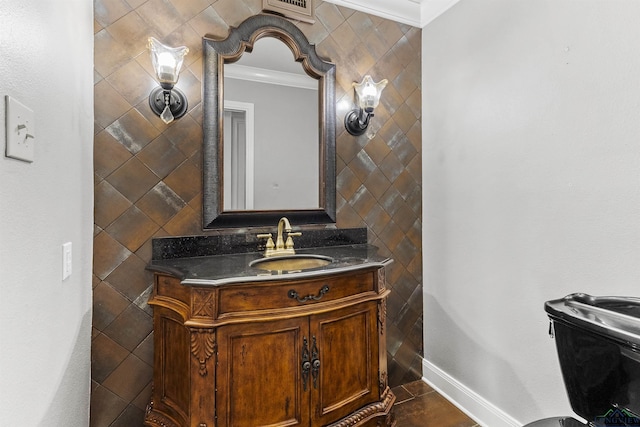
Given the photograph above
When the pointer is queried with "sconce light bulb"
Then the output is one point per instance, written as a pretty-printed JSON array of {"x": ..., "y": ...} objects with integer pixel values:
[
  {"x": 166, "y": 60},
  {"x": 166, "y": 68},
  {"x": 369, "y": 93}
]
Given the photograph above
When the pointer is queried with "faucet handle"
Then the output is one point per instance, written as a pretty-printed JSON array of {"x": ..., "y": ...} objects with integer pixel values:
[
  {"x": 270, "y": 245},
  {"x": 289, "y": 243}
]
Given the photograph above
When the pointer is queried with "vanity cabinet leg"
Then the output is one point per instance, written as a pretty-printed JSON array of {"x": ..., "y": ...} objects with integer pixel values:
[{"x": 153, "y": 418}]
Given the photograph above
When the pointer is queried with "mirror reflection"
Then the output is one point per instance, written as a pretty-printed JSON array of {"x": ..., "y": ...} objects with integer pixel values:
[{"x": 271, "y": 139}]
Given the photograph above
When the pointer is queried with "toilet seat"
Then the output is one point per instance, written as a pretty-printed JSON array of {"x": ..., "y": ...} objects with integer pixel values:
[{"x": 557, "y": 422}]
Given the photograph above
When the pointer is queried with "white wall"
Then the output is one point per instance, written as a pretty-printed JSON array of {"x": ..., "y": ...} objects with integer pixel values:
[
  {"x": 531, "y": 117},
  {"x": 279, "y": 122},
  {"x": 46, "y": 48}
]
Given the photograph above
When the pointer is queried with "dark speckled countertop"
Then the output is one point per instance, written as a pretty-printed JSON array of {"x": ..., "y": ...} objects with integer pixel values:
[
  {"x": 213, "y": 267},
  {"x": 219, "y": 270}
]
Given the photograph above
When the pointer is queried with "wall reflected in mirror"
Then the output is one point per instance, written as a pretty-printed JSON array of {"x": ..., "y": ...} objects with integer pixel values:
[{"x": 271, "y": 136}]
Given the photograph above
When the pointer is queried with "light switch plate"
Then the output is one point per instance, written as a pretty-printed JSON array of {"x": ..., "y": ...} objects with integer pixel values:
[
  {"x": 67, "y": 260},
  {"x": 20, "y": 123}
]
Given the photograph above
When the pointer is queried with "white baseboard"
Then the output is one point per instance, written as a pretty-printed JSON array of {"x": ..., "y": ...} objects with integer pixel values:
[{"x": 475, "y": 406}]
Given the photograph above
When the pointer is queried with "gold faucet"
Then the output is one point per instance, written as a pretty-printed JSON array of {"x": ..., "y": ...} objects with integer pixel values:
[{"x": 280, "y": 247}]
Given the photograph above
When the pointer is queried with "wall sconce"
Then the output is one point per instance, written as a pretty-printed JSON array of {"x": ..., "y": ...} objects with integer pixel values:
[
  {"x": 167, "y": 101},
  {"x": 368, "y": 93}
]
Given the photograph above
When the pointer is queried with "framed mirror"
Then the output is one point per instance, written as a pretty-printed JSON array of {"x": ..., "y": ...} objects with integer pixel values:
[{"x": 269, "y": 146}]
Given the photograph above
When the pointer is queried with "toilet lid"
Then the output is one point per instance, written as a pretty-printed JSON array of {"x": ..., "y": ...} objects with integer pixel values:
[{"x": 557, "y": 422}]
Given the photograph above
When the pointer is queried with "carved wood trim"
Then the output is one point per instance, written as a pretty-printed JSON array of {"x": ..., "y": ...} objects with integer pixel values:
[
  {"x": 203, "y": 345},
  {"x": 382, "y": 280},
  {"x": 388, "y": 421},
  {"x": 156, "y": 419},
  {"x": 382, "y": 315},
  {"x": 377, "y": 409},
  {"x": 203, "y": 303},
  {"x": 383, "y": 381}
]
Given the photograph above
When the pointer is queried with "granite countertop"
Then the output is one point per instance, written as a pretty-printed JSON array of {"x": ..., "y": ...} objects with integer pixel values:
[{"x": 216, "y": 270}]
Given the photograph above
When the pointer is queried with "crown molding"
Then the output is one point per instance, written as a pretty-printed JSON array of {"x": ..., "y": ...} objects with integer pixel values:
[
  {"x": 431, "y": 9},
  {"x": 262, "y": 75},
  {"x": 416, "y": 13},
  {"x": 404, "y": 11}
]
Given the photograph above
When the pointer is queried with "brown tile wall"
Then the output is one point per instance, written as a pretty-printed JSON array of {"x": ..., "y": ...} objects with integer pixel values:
[{"x": 148, "y": 175}]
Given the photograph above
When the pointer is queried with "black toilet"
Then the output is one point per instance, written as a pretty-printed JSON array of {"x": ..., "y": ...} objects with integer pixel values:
[{"x": 598, "y": 343}]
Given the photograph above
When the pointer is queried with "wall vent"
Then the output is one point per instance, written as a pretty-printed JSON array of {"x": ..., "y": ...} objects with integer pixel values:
[{"x": 301, "y": 10}]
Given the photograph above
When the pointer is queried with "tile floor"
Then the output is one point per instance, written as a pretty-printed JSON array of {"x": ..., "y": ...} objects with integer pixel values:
[{"x": 419, "y": 405}]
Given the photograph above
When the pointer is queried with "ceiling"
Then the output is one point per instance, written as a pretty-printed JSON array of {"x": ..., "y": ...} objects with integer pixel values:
[{"x": 417, "y": 13}]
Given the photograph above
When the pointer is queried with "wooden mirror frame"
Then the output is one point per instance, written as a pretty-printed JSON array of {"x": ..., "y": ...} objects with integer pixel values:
[{"x": 215, "y": 54}]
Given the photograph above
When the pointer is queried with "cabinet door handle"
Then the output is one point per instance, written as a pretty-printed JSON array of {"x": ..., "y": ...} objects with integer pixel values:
[
  {"x": 294, "y": 295},
  {"x": 315, "y": 363},
  {"x": 306, "y": 364}
]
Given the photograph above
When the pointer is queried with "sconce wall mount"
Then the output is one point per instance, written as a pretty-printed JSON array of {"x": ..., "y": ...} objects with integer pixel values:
[
  {"x": 357, "y": 121},
  {"x": 177, "y": 100}
]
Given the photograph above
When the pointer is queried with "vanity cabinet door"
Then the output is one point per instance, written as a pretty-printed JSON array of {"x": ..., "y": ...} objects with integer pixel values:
[
  {"x": 346, "y": 346},
  {"x": 259, "y": 374}
]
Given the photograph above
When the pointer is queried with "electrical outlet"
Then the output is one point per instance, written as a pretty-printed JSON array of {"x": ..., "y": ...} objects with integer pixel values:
[
  {"x": 21, "y": 134},
  {"x": 67, "y": 260}
]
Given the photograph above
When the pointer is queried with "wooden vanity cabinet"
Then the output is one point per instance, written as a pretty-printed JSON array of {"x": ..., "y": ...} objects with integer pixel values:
[{"x": 279, "y": 353}]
